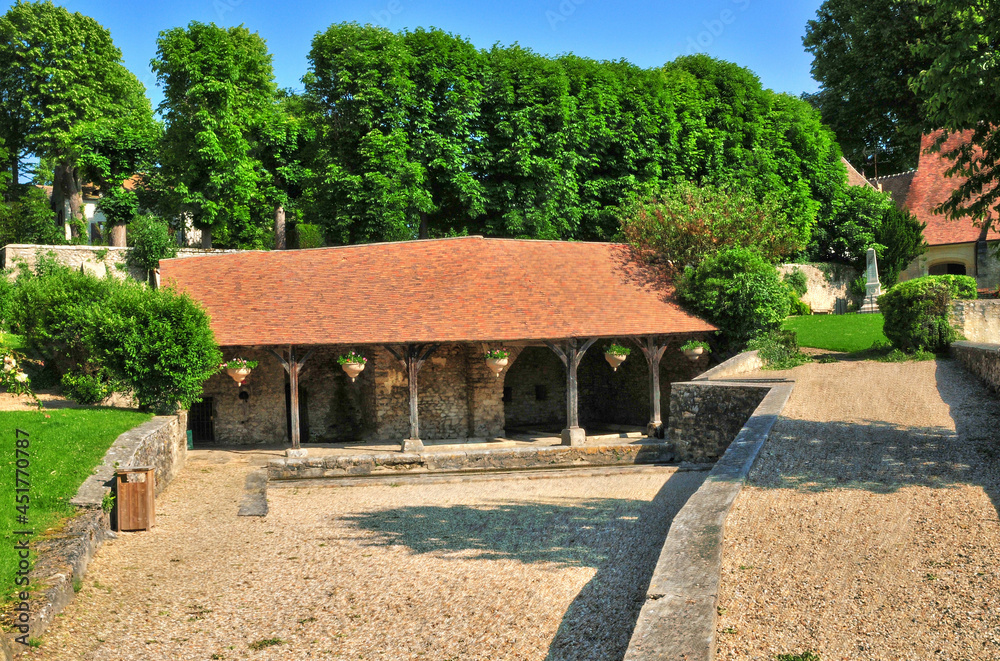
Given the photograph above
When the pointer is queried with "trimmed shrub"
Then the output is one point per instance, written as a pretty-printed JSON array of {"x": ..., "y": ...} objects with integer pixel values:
[
  {"x": 157, "y": 344},
  {"x": 738, "y": 291},
  {"x": 308, "y": 236},
  {"x": 779, "y": 349},
  {"x": 917, "y": 313},
  {"x": 963, "y": 287}
]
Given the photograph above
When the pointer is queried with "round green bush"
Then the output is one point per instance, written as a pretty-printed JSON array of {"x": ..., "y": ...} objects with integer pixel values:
[
  {"x": 86, "y": 388},
  {"x": 738, "y": 291},
  {"x": 917, "y": 313}
]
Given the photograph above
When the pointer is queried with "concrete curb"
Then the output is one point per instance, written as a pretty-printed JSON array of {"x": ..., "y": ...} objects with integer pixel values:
[
  {"x": 498, "y": 459},
  {"x": 678, "y": 619},
  {"x": 254, "y": 501}
]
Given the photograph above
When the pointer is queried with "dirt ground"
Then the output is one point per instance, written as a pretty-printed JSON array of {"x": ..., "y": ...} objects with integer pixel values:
[
  {"x": 869, "y": 527},
  {"x": 514, "y": 568}
]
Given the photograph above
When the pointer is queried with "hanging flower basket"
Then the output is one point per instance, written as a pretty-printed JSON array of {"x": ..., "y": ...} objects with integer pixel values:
[
  {"x": 693, "y": 349},
  {"x": 616, "y": 354},
  {"x": 239, "y": 369},
  {"x": 353, "y": 364},
  {"x": 497, "y": 359}
]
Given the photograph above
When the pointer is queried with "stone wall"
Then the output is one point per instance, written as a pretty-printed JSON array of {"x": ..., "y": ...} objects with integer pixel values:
[
  {"x": 977, "y": 321},
  {"x": 98, "y": 260},
  {"x": 983, "y": 360},
  {"x": 705, "y": 417},
  {"x": 826, "y": 282}
]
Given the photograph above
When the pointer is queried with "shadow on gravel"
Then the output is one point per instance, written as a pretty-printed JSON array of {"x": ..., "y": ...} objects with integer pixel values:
[
  {"x": 882, "y": 458},
  {"x": 620, "y": 538}
]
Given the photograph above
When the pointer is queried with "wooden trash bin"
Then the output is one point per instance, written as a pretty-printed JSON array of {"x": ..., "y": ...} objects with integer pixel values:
[{"x": 134, "y": 498}]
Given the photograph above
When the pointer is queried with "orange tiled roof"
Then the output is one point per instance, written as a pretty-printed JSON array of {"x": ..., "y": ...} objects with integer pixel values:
[
  {"x": 855, "y": 178},
  {"x": 931, "y": 187},
  {"x": 444, "y": 290}
]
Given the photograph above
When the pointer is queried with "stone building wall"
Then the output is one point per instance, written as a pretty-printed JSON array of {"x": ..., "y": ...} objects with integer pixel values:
[
  {"x": 977, "y": 321},
  {"x": 826, "y": 283},
  {"x": 536, "y": 372}
]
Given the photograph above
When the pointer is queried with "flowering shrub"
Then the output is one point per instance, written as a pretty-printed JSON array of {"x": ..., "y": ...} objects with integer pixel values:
[
  {"x": 238, "y": 364},
  {"x": 13, "y": 379},
  {"x": 351, "y": 357},
  {"x": 617, "y": 349},
  {"x": 497, "y": 354}
]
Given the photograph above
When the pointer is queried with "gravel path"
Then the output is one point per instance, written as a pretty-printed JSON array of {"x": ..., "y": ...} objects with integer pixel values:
[
  {"x": 552, "y": 568},
  {"x": 869, "y": 528}
]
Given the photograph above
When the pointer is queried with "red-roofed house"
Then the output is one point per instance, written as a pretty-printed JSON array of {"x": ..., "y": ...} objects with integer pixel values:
[
  {"x": 955, "y": 246},
  {"x": 434, "y": 308}
]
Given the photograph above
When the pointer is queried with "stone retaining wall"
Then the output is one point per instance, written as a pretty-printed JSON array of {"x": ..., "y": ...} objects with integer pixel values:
[
  {"x": 63, "y": 557},
  {"x": 977, "y": 321},
  {"x": 748, "y": 361},
  {"x": 826, "y": 283},
  {"x": 983, "y": 360},
  {"x": 678, "y": 620},
  {"x": 705, "y": 417},
  {"x": 99, "y": 260}
]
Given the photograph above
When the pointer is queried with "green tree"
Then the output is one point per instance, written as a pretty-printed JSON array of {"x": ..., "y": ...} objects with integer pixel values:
[
  {"x": 366, "y": 187},
  {"x": 863, "y": 61},
  {"x": 61, "y": 79},
  {"x": 219, "y": 93},
  {"x": 865, "y": 218},
  {"x": 959, "y": 87},
  {"x": 287, "y": 153}
]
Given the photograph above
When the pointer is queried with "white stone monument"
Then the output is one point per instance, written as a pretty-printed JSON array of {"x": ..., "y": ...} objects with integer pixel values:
[{"x": 873, "y": 288}]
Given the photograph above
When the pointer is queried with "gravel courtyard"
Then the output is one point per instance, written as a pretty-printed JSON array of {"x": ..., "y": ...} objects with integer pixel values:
[
  {"x": 869, "y": 529},
  {"x": 514, "y": 568}
]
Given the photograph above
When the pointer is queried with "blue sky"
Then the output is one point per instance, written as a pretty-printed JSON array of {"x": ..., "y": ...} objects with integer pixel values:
[{"x": 762, "y": 35}]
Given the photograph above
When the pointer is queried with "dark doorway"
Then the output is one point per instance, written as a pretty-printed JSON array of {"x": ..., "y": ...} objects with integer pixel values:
[
  {"x": 951, "y": 268},
  {"x": 201, "y": 420},
  {"x": 303, "y": 412}
]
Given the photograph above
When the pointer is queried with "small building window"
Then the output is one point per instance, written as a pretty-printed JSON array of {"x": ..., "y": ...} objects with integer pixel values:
[
  {"x": 948, "y": 268},
  {"x": 541, "y": 393},
  {"x": 508, "y": 394}
]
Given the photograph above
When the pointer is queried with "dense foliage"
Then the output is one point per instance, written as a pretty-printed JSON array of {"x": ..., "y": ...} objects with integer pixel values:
[
  {"x": 109, "y": 334},
  {"x": 150, "y": 239},
  {"x": 738, "y": 291},
  {"x": 685, "y": 223},
  {"x": 918, "y": 312},
  {"x": 864, "y": 218}
]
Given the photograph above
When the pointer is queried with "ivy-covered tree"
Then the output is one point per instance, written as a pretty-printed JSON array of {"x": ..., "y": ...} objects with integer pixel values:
[
  {"x": 62, "y": 80},
  {"x": 863, "y": 62},
  {"x": 219, "y": 95}
]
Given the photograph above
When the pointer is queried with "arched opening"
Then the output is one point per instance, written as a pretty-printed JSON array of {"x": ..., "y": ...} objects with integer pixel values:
[{"x": 947, "y": 268}]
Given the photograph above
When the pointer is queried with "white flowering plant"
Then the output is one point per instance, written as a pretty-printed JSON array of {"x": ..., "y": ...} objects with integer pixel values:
[{"x": 13, "y": 378}]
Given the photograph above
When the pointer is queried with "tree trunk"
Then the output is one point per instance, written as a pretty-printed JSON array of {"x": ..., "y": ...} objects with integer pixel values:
[
  {"x": 14, "y": 167},
  {"x": 116, "y": 235},
  {"x": 423, "y": 226},
  {"x": 279, "y": 228},
  {"x": 206, "y": 238},
  {"x": 66, "y": 182}
]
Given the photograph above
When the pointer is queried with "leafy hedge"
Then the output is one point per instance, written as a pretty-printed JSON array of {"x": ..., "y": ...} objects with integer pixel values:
[
  {"x": 308, "y": 236},
  {"x": 738, "y": 291},
  {"x": 103, "y": 334},
  {"x": 918, "y": 312}
]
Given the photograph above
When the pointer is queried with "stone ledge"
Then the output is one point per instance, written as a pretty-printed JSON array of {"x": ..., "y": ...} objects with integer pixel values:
[
  {"x": 981, "y": 359},
  {"x": 678, "y": 619},
  {"x": 748, "y": 361},
  {"x": 498, "y": 459}
]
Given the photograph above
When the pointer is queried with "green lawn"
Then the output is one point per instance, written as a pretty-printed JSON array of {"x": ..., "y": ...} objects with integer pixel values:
[
  {"x": 841, "y": 332},
  {"x": 65, "y": 446},
  {"x": 12, "y": 341}
]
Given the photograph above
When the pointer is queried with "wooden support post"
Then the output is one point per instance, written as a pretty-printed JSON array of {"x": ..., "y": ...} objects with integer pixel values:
[
  {"x": 293, "y": 367},
  {"x": 412, "y": 358},
  {"x": 653, "y": 349},
  {"x": 570, "y": 352}
]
